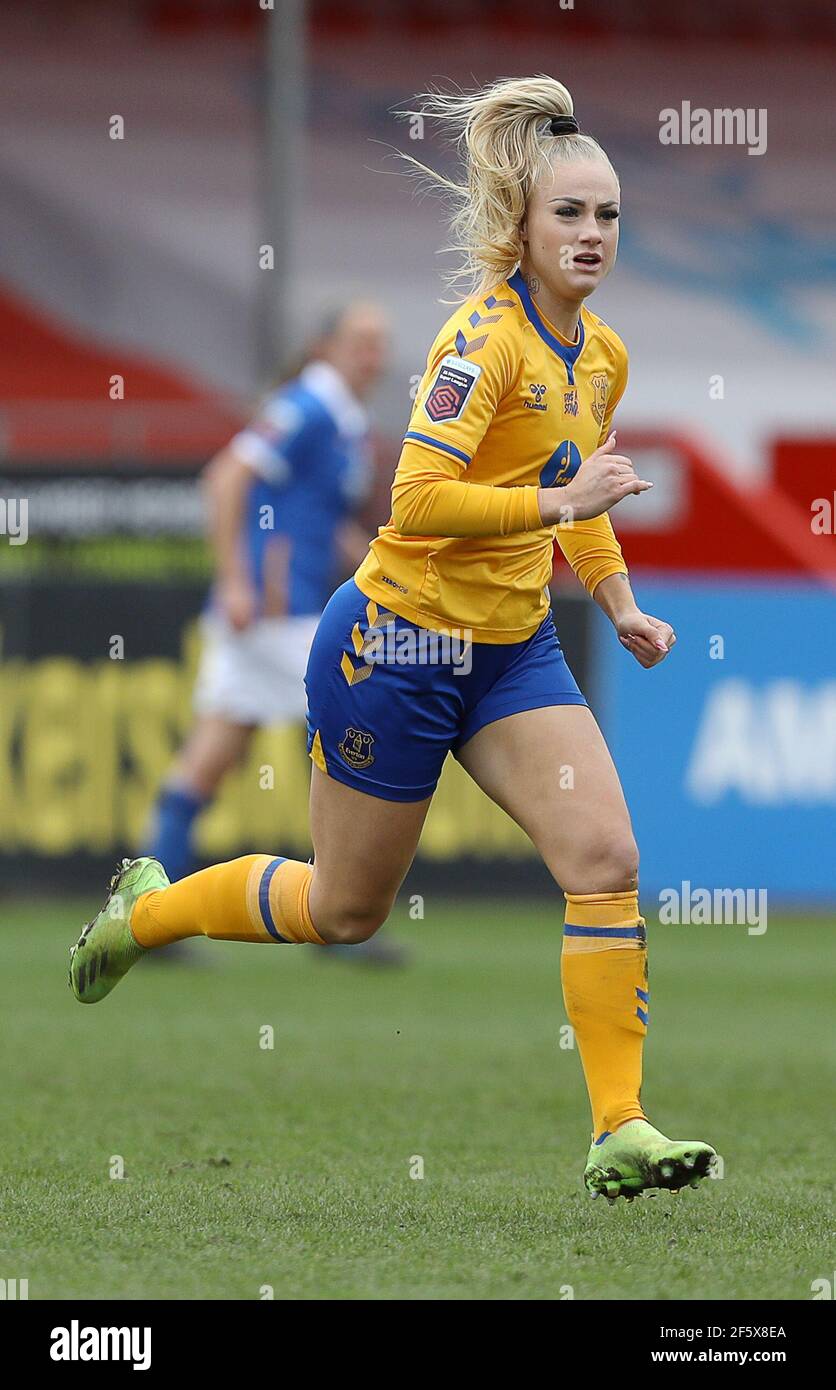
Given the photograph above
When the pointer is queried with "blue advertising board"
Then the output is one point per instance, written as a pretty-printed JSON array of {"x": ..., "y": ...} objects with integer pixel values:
[{"x": 727, "y": 751}]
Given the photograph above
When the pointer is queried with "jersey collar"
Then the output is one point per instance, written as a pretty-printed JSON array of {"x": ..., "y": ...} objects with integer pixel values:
[
  {"x": 325, "y": 382},
  {"x": 567, "y": 353}
]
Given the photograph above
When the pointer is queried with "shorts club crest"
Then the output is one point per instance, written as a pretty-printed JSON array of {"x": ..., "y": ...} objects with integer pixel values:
[{"x": 355, "y": 747}]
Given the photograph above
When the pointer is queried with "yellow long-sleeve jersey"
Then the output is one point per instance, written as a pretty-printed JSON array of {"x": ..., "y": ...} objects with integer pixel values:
[{"x": 505, "y": 406}]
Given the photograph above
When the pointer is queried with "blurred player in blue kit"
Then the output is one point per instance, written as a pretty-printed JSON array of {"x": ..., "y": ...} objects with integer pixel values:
[{"x": 282, "y": 496}]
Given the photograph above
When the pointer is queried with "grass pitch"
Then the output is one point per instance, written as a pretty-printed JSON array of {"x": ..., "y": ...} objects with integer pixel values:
[{"x": 247, "y": 1167}]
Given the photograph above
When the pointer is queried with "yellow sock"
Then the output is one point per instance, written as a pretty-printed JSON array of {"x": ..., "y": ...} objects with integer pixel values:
[
  {"x": 255, "y": 898},
  {"x": 604, "y": 974}
]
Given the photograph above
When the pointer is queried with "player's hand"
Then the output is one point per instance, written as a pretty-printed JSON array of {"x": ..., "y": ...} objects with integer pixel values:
[
  {"x": 238, "y": 603},
  {"x": 647, "y": 639},
  {"x": 600, "y": 482}
]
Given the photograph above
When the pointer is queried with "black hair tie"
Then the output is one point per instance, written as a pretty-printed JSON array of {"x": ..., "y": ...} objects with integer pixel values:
[{"x": 563, "y": 125}]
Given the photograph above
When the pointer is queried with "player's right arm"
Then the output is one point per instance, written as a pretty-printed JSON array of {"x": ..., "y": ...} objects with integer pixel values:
[
  {"x": 456, "y": 402},
  {"x": 270, "y": 447},
  {"x": 227, "y": 480},
  {"x": 602, "y": 480}
]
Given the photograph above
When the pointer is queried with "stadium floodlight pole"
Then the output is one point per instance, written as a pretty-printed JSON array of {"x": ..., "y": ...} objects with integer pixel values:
[{"x": 283, "y": 134}]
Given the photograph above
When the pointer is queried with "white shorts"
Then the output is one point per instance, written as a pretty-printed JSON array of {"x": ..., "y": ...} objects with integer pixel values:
[{"x": 255, "y": 676}]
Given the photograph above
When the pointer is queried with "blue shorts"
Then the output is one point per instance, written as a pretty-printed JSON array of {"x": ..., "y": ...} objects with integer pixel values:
[{"x": 387, "y": 700}]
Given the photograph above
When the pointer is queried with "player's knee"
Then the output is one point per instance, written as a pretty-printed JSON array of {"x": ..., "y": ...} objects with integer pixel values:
[
  {"x": 609, "y": 863},
  {"x": 623, "y": 864},
  {"x": 354, "y": 927},
  {"x": 346, "y": 923}
]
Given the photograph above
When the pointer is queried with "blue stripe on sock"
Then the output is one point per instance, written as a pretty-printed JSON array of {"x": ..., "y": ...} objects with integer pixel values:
[
  {"x": 636, "y": 933},
  {"x": 643, "y": 994},
  {"x": 264, "y": 899},
  {"x": 604, "y": 1136},
  {"x": 642, "y": 1015}
]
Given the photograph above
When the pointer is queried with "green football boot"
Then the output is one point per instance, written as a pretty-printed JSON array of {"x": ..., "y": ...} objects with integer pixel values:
[
  {"x": 106, "y": 949},
  {"x": 638, "y": 1158}
]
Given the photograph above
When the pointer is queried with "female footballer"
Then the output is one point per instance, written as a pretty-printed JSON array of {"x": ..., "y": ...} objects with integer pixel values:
[{"x": 510, "y": 444}]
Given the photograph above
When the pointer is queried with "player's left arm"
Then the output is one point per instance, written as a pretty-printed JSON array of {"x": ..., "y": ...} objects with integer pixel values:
[
  {"x": 648, "y": 639},
  {"x": 593, "y": 551}
]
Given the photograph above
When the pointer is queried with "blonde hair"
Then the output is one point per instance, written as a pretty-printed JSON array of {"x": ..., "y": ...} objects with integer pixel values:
[{"x": 502, "y": 133}]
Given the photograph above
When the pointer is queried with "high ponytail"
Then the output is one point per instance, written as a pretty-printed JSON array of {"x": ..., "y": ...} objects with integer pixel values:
[{"x": 502, "y": 133}]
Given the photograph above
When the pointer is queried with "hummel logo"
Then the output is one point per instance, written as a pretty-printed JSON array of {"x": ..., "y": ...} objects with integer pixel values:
[{"x": 538, "y": 392}]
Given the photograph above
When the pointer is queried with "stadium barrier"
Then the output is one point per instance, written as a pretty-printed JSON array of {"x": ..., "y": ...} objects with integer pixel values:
[
  {"x": 728, "y": 754},
  {"x": 720, "y": 750}
]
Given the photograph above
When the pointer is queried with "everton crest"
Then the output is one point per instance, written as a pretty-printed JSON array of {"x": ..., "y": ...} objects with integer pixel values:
[
  {"x": 356, "y": 748},
  {"x": 600, "y": 391}
]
